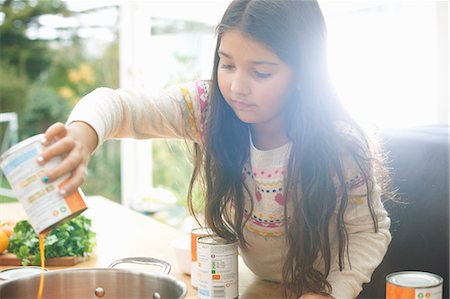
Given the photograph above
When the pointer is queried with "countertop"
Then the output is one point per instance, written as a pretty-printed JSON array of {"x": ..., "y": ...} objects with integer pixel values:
[{"x": 122, "y": 232}]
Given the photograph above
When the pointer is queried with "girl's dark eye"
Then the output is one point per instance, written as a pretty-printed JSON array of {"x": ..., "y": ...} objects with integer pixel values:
[
  {"x": 226, "y": 66},
  {"x": 262, "y": 75}
]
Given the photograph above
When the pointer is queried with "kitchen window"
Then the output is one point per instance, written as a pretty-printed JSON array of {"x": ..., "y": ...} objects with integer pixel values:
[{"x": 388, "y": 60}]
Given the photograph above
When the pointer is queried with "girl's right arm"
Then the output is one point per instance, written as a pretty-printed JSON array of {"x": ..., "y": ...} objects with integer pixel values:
[
  {"x": 106, "y": 113},
  {"x": 135, "y": 113}
]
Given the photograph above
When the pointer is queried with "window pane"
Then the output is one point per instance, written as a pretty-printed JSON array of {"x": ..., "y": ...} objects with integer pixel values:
[{"x": 385, "y": 62}]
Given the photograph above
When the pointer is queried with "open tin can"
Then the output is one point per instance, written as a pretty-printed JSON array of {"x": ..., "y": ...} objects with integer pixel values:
[{"x": 413, "y": 285}]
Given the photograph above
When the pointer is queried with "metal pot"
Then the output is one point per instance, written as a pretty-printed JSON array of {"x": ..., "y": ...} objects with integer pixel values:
[{"x": 99, "y": 283}]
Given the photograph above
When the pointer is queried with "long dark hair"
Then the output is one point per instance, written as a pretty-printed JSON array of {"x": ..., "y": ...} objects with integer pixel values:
[{"x": 296, "y": 32}]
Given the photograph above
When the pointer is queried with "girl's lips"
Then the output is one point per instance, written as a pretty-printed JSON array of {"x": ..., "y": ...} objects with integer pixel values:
[{"x": 241, "y": 105}]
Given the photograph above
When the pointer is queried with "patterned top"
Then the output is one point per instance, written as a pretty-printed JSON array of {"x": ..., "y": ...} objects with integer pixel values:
[
  {"x": 267, "y": 219},
  {"x": 179, "y": 112}
]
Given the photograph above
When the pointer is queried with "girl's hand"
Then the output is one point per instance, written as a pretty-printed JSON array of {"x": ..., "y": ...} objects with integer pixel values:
[
  {"x": 76, "y": 144},
  {"x": 316, "y": 296}
]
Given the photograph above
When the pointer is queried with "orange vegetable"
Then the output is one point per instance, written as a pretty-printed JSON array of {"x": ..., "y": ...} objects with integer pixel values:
[{"x": 4, "y": 241}]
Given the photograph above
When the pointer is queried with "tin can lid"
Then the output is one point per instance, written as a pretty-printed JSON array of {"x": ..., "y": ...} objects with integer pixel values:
[
  {"x": 20, "y": 272},
  {"x": 214, "y": 240},
  {"x": 414, "y": 279},
  {"x": 202, "y": 231}
]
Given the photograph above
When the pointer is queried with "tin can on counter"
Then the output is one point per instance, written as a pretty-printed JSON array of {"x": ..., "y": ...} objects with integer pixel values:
[
  {"x": 197, "y": 233},
  {"x": 413, "y": 285},
  {"x": 217, "y": 268},
  {"x": 42, "y": 202}
]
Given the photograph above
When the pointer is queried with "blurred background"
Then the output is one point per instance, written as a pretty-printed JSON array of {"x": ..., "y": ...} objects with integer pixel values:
[{"x": 388, "y": 59}]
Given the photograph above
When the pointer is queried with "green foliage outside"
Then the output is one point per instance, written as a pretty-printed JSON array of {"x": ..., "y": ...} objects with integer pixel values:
[
  {"x": 172, "y": 159},
  {"x": 4, "y": 184},
  {"x": 172, "y": 168},
  {"x": 13, "y": 87},
  {"x": 42, "y": 79},
  {"x": 30, "y": 57}
]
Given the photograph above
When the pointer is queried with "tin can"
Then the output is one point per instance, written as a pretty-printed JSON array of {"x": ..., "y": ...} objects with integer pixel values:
[
  {"x": 217, "y": 268},
  {"x": 197, "y": 233},
  {"x": 413, "y": 285},
  {"x": 42, "y": 202}
]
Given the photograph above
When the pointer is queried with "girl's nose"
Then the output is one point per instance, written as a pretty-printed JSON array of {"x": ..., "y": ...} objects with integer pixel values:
[{"x": 239, "y": 86}]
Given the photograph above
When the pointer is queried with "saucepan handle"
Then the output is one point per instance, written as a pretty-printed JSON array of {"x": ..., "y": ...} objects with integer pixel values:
[{"x": 149, "y": 261}]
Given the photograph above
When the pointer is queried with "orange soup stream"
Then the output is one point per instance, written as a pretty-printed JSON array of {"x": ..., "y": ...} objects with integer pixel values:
[{"x": 42, "y": 252}]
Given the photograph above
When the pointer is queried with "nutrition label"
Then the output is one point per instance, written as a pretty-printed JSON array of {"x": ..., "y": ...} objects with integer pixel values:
[{"x": 218, "y": 275}]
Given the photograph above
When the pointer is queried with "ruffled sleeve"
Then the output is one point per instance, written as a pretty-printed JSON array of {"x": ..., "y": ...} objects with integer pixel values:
[{"x": 177, "y": 112}]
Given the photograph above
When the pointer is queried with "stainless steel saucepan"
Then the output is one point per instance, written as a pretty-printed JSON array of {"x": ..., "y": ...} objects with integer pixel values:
[{"x": 108, "y": 283}]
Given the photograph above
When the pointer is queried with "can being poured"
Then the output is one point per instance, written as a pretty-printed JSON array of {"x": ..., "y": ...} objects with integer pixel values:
[
  {"x": 42, "y": 202},
  {"x": 413, "y": 285}
]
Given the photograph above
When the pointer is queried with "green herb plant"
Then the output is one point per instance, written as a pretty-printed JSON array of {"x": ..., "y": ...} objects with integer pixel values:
[{"x": 73, "y": 238}]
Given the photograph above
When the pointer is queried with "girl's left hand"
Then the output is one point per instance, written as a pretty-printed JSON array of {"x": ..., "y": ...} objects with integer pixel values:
[{"x": 315, "y": 296}]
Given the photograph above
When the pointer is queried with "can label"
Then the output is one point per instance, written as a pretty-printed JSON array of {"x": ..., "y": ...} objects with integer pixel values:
[
  {"x": 42, "y": 202},
  {"x": 217, "y": 268},
  {"x": 197, "y": 233},
  {"x": 432, "y": 293},
  {"x": 413, "y": 285},
  {"x": 396, "y": 292}
]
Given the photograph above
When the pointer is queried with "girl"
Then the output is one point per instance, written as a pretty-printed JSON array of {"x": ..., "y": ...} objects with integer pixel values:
[{"x": 286, "y": 170}]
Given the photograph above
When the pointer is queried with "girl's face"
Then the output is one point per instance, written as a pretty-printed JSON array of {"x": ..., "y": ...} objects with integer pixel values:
[{"x": 253, "y": 80}]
